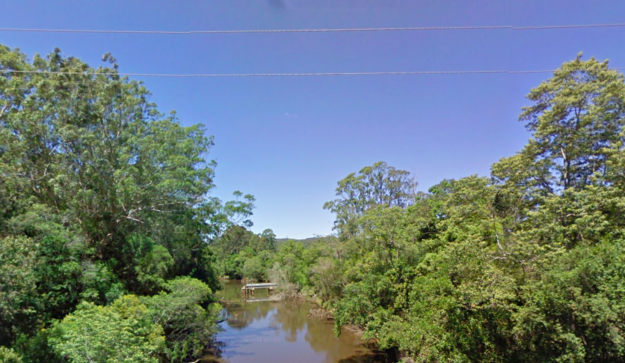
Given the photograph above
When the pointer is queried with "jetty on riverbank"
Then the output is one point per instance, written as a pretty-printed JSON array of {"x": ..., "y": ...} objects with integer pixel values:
[{"x": 248, "y": 289}]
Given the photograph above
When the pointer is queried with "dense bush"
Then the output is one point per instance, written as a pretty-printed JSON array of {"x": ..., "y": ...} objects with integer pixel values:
[
  {"x": 102, "y": 198},
  {"x": 121, "y": 332},
  {"x": 526, "y": 265}
]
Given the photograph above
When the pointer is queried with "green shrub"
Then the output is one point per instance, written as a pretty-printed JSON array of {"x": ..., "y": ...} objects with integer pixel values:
[
  {"x": 187, "y": 315},
  {"x": 121, "y": 332},
  {"x": 7, "y": 355}
]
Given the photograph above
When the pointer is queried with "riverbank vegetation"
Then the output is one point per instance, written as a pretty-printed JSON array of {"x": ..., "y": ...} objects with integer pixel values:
[
  {"x": 111, "y": 247},
  {"x": 105, "y": 219},
  {"x": 524, "y": 265}
]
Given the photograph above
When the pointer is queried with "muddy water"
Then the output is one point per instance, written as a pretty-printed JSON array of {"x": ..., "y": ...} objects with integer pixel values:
[{"x": 277, "y": 331}]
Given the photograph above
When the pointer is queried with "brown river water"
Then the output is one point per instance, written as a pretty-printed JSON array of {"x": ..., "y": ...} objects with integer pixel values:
[{"x": 281, "y": 331}]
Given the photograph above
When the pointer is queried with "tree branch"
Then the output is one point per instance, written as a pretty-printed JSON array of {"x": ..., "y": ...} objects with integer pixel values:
[{"x": 134, "y": 219}]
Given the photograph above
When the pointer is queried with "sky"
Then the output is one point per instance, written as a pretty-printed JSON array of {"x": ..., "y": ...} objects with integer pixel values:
[{"x": 288, "y": 141}]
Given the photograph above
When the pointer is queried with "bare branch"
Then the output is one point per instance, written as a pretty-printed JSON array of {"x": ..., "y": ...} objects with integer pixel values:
[{"x": 134, "y": 219}]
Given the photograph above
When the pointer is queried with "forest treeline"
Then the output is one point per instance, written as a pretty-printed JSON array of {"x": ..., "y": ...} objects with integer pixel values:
[{"x": 111, "y": 246}]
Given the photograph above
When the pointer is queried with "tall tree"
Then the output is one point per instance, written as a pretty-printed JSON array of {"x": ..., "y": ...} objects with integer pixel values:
[
  {"x": 100, "y": 195},
  {"x": 376, "y": 185},
  {"x": 577, "y": 116},
  {"x": 90, "y": 146}
]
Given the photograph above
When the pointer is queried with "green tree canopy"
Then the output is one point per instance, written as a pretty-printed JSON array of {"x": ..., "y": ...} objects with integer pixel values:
[
  {"x": 102, "y": 195},
  {"x": 577, "y": 116},
  {"x": 379, "y": 184},
  {"x": 121, "y": 332}
]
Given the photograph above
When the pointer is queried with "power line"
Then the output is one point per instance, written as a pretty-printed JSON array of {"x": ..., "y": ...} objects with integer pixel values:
[
  {"x": 328, "y": 30},
  {"x": 322, "y": 74}
]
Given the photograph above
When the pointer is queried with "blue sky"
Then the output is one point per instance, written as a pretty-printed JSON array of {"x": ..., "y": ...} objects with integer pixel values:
[{"x": 289, "y": 140}]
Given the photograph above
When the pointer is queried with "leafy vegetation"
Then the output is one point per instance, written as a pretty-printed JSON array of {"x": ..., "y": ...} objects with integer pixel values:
[
  {"x": 524, "y": 266},
  {"x": 120, "y": 332},
  {"x": 527, "y": 265},
  {"x": 105, "y": 218},
  {"x": 110, "y": 245}
]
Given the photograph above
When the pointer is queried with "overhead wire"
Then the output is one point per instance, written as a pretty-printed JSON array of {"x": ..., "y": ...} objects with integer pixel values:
[
  {"x": 307, "y": 74},
  {"x": 260, "y": 75},
  {"x": 321, "y": 30}
]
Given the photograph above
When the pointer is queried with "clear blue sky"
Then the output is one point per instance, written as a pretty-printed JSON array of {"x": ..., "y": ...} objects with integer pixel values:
[{"x": 289, "y": 140}]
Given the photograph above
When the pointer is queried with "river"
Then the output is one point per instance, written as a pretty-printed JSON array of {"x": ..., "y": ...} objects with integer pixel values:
[{"x": 280, "y": 331}]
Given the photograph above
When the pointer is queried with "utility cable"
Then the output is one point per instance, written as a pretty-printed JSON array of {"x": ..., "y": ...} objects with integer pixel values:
[
  {"x": 242, "y": 75},
  {"x": 327, "y": 30}
]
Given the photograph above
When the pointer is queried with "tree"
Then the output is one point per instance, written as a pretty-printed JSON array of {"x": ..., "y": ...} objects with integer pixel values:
[
  {"x": 265, "y": 241},
  {"x": 574, "y": 311},
  {"x": 563, "y": 176},
  {"x": 577, "y": 116},
  {"x": 122, "y": 332},
  {"x": 235, "y": 240},
  {"x": 92, "y": 148},
  {"x": 327, "y": 277},
  {"x": 525, "y": 266},
  {"x": 379, "y": 184},
  {"x": 7, "y": 355},
  {"x": 151, "y": 263},
  {"x": 220, "y": 216},
  {"x": 100, "y": 195},
  {"x": 187, "y": 315},
  {"x": 18, "y": 286},
  {"x": 254, "y": 269}
]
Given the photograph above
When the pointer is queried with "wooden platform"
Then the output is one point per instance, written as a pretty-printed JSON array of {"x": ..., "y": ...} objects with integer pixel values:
[
  {"x": 259, "y": 286},
  {"x": 249, "y": 289}
]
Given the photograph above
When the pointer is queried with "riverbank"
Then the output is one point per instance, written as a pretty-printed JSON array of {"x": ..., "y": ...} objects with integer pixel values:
[
  {"x": 292, "y": 294},
  {"x": 317, "y": 311}
]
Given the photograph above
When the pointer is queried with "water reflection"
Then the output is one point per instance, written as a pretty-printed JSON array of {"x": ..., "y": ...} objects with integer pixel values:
[
  {"x": 291, "y": 319},
  {"x": 270, "y": 331}
]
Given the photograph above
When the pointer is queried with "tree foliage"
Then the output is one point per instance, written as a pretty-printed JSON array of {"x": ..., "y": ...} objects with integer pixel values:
[
  {"x": 110, "y": 244},
  {"x": 185, "y": 312},
  {"x": 121, "y": 332},
  {"x": 103, "y": 198},
  {"x": 524, "y": 266},
  {"x": 379, "y": 184}
]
